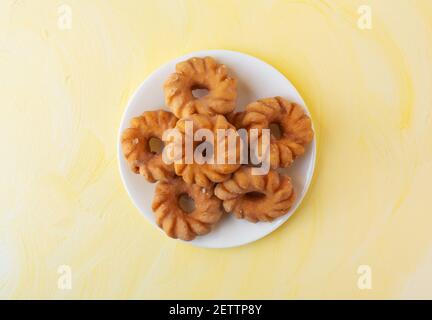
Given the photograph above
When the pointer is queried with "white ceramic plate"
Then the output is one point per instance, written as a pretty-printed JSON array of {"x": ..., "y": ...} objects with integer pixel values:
[{"x": 256, "y": 79}]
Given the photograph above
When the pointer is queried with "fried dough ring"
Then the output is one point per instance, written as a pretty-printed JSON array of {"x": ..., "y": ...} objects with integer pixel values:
[
  {"x": 205, "y": 174},
  {"x": 200, "y": 73},
  {"x": 136, "y": 149},
  {"x": 256, "y": 198},
  {"x": 176, "y": 222},
  {"x": 295, "y": 125}
]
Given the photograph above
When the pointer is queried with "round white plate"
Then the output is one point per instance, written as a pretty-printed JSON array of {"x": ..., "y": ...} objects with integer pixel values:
[{"x": 256, "y": 79}]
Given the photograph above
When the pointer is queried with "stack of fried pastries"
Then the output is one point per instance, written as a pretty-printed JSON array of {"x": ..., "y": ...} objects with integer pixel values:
[{"x": 192, "y": 196}]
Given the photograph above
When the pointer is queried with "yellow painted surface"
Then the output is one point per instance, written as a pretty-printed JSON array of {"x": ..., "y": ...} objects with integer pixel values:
[{"x": 63, "y": 91}]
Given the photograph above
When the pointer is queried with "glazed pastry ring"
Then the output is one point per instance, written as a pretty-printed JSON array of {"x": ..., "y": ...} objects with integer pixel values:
[
  {"x": 207, "y": 174},
  {"x": 176, "y": 222},
  {"x": 256, "y": 197},
  {"x": 200, "y": 73},
  {"x": 294, "y": 124},
  {"x": 136, "y": 149}
]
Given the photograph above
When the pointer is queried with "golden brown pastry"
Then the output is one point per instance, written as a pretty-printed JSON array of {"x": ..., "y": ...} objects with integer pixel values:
[
  {"x": 137, "y": 149},
  {"x": 294, "y": 124},
  {"x": 200, "y": 73},
  {"x": 174, "y": 220},
  {"x": 256, "y": 198},
  {"x": 205, "y": 174},
  {"x": 236, "y": 119}
]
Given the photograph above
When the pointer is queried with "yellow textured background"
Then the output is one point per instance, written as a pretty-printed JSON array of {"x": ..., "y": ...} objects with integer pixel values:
[{"x": 62, "y": 93}]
